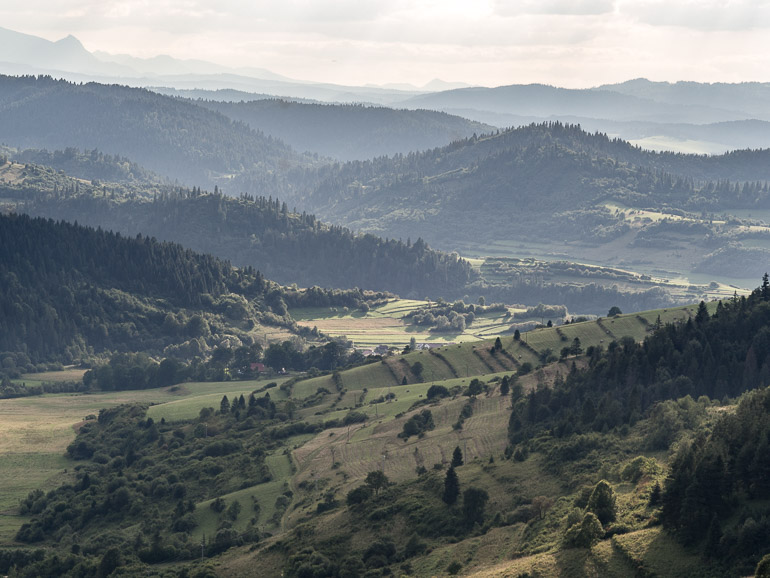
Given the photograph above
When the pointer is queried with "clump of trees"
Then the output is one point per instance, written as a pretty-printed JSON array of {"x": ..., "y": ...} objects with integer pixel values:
[
  {"x": 446, "y": 317},
  {"x": 418, "y": 425}
]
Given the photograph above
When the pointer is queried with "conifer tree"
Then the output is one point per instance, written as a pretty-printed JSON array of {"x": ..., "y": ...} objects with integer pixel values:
[
  {"x": 451, "y": 487},
  {"x": 457, "y": 457}
]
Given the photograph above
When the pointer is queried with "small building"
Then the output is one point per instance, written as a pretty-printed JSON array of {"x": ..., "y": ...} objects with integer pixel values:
[{"x": 426, "y": 346}]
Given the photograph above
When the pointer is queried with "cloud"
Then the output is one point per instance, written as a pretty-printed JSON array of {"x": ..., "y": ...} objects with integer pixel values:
[
  {"x": 493, "y": 42},
  {"x": 707, "y": 15},
  {"x": 509, "y": 8}
]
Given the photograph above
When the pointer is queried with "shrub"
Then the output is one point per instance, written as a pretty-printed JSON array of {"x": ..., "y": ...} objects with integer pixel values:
[
  {"x": 585, "y": 534},
  {"x": 602, "y": 502},
  {"x": 418, "y": 424},
  {"x": 358, "y": 495},
  {"x": 437, "y": 391}
]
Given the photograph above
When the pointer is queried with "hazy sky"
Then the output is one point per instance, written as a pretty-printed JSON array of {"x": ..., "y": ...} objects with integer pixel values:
[{"x": 573, "y": 43}]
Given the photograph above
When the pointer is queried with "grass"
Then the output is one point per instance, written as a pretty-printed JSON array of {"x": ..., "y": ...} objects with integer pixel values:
[
  {"x": 387, "y": 325},
  {"x": 660, "y": 555},
  {"x": 363, "y": 448},
  {"x": 264, "y": 495},
  {"x": 37, "y": 430},
  {"x": 460, "y": 360},
  {"x": 68, "y": 374},
  {"x": 192, "y": 397}
]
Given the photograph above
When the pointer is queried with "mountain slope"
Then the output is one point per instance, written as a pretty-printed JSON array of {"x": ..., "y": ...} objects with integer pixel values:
[
  {"x": 172, "y": 137},
  {"x": 69, "y": 292},
  {"x": 544, "y": 101},
  {"x": 67, "y": 54},
  {"x": 578, "y": 489},
  {"x": 349, "y": 132},
  {"x": 262, "y": 233},
  {"x": 747, "y": 98},
  {"x": 536, "y": 178}
]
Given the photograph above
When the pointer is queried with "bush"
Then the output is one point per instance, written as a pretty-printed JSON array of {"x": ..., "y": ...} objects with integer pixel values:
[
  {"x": 638, "y": 467},
  {"x": 585, "y": 534},
  {"x": 358, "y": 495},
  {"x": 437, "y": 391},
  {"x": 418, "y": 424},
  {"x": 354, "y": 417},
  {"x": 602, "y": 502}
]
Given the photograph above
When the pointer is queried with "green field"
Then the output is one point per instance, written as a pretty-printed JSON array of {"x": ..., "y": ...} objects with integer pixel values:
[
  {"x": 386, "y": 325},
  {"x": 37, "y": 431},
  {"x": 194, "y": 396},
  {"x": 469, "y": 359}
]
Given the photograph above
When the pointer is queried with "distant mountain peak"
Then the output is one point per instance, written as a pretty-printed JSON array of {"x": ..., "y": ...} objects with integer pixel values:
[
  {"x": 437, "y": 84},
  {"x": 70, "y": 39}
]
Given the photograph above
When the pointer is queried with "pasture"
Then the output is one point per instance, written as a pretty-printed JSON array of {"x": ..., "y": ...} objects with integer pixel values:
[
  {"x": 37, "y": 430},
  {"x": 387, "y": 325}
]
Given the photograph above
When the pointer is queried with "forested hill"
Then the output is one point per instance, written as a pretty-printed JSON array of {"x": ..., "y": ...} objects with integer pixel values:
[
  {"x": 68, "y": 292},
  {"x": 286, "y": 246},
  {"x": 534, "y": 179},
  {"x": 349, "y": 132},
  {"x": 719, "y": 480},
  {"x": 173, "y": 137},
  {"x": 92, "y": 165}
]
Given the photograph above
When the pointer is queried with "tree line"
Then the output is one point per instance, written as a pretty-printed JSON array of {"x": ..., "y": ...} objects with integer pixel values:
[{"x": 69, "y": 293}]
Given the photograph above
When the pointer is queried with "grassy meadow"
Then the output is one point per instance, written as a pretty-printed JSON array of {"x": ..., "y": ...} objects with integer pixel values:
[
  {"x": 37, "y": 431},
  {"x": 387, "y": 325}
]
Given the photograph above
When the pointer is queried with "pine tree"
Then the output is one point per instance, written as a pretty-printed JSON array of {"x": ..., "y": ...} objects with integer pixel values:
[
  {"x": 655, "y": 495},
  {"x": 224, "y": 405},
  {"x": 504, "y": 386},
  {"x": 457, "y": 457},
  {"x": 451, "y": 487},
  {"x": 713, "y": 536}
]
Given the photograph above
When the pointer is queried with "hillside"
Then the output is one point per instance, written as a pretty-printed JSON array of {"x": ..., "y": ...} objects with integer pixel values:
[
  {"x": 172, "y": 137},
  {"x": 69, "y": 293},
  {"x": 349, "y": 132},
  {"x": 289, "y": 247},
  {"x": 746, "y": 98},
  {"x": 284, "y": 481},
  {"x": 683, "y": 117},
  {"x": 553, "y": 191},
  {"x": 542, "y": 101},
  {"x": 91, "y": 167},
  {"x": 295, "y": 248}
]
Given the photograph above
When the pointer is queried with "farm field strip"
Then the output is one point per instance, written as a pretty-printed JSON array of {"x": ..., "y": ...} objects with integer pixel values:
[
  {"x": 68, "y": 374},
  {"x": 375, "y": 445}
]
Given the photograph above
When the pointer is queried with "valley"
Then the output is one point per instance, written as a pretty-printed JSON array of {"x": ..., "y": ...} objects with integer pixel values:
[{"x": 473, "y": 331}]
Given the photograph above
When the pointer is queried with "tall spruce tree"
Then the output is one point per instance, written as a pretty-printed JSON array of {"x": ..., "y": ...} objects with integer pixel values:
[
  {"x": 457, "y": 457},
  {"x": 451, "y": 487}
]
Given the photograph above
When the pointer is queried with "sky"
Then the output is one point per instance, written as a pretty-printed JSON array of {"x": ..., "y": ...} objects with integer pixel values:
[{"x": 570, "y": 43}]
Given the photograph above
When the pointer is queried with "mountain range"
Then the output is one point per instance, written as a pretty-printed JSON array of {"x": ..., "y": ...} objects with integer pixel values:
[
  {"x": 682, "y": 117},
  {"x": 552, "y": 190}
]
